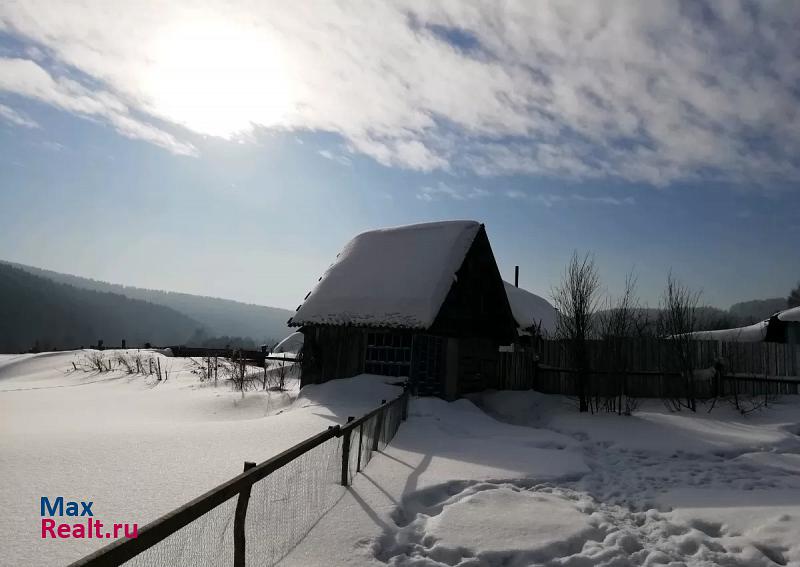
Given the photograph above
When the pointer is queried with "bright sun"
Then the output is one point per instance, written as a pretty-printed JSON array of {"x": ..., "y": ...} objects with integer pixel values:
[{"x": 217, "y": 78}]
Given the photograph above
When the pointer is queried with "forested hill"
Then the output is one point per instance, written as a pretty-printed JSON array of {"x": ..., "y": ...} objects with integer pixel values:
[
  {"x": 218, "y": 317},
  {"x": 39, "y": 312},
  {"x": 758, "y": 309}
]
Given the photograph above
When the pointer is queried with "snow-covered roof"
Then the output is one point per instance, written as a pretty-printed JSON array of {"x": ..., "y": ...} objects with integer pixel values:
[
  {"x": 790, "y": 315},
  {"x": 750, "y": 334},
  {"x": 529, "y": 309},
  {"x": 394, "y": 277},
  {"x": 293, "y": 344}
]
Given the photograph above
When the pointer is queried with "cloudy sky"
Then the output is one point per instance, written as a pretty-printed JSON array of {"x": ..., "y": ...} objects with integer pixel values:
[{"x": 231, "y": 148}]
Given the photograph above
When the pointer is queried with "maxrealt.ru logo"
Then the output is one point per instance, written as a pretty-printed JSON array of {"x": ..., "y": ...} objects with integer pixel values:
[{"x": 83, "y": 525}]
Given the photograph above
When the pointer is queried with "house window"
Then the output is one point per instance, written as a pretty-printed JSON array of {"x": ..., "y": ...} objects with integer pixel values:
[{"x": 388, "y": 354}]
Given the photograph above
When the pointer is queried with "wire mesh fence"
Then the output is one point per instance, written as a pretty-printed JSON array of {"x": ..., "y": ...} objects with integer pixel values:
[
  {"x": 207, "y": 540},
  {"x": 285, "y": 505},
  {"x": 258, "y": 517},
  {"x": 371, "y": 433}
]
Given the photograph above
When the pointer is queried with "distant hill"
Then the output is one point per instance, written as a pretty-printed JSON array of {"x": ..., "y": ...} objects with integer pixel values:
[
  {"x": 218, "y": 317},
  {"x": 39, "y": 312},
  {"x": 758, "y": 309},
  {"x": 712, "y": 318}
]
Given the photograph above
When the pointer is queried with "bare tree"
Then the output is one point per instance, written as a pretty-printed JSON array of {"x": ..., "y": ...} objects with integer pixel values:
[
  {"x": 242, "y": 376},
  {"x": 621, "y": 316},
  {"x": 677, "y": 321},
  {"x": 622, "y": 320},
  {"x": 576, "y": 299}
]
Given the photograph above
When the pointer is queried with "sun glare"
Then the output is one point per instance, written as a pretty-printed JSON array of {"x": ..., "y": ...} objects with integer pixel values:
[{"x": 218, "y": 79}]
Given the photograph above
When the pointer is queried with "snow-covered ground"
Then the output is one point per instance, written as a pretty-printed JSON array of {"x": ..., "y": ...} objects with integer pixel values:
[
  {"x": 545, "y": 485},
  {"x": 507, "y": 478},
  {"x": 135, "y": 446}
]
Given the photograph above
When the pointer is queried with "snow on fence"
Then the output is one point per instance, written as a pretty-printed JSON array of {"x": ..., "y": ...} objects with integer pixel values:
[
  {"x": 650, "y": 367},
  {"x": 259, "y": 516}
]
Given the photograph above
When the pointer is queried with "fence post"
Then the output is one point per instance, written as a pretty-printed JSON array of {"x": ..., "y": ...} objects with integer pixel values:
[
  {"x": 360, "y": 443},
  {"x": 378, "y": 427},
  {"x": 239, "y": 520},
  {"x": 404, "y": 413},
  {"x": 346, "y": 452}
]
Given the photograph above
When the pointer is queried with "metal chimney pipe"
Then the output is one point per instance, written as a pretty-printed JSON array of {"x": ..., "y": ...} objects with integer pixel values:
[{"x": 516, "y": 276}]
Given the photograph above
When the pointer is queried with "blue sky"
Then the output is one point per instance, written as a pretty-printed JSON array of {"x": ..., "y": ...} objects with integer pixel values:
[{"x": 184, "y": 158}]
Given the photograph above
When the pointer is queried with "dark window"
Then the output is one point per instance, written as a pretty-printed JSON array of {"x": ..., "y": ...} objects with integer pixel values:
[{"x": 388, "y": 354}]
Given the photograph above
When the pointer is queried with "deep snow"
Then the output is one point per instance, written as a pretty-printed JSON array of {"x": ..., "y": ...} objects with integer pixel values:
[
  {"x": 564, "y": 489},
  {"x": 507, "y": 478},
  {"x": 137, "y": 447}
]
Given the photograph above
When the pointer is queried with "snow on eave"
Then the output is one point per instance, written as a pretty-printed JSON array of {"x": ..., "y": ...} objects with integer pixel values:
[
  {"x": 530, "y": 310},
  {"x": 290, "y": 344},
  {"x": 392, "y": 278},
  {"x": 790, "y": 315},
  {"x": 749, "y": 334}
]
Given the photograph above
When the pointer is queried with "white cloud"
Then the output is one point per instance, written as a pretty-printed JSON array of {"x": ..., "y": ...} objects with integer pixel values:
[
  {"x": 550, "y": 199},
  {"x": 445, "y": 191},
  {"x": 652, "y": 92},
  {"x": 604, "y": 200},
  {"x": 26, "y": 78},
  {"x": 17, "y": 118},
  {"x": 337, "y": 157}
]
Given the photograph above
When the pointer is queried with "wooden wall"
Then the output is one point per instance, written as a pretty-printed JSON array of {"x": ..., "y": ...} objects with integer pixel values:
[
  {"x": 476, "y": 305},
  {"x": 477, "y": 365},
  {"x": 332, "y": 352}
]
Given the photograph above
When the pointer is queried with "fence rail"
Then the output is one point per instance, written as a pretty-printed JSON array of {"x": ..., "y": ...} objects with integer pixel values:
[
  {"x": 254, "y": 356},
  {"x": 253, "y": 518}
]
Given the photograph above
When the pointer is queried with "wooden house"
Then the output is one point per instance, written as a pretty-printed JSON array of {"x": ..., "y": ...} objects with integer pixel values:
[{"x": 424, "y": 301}]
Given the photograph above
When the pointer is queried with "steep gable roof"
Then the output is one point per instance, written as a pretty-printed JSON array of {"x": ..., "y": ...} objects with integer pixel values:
[{"x": 394, "y": 277}]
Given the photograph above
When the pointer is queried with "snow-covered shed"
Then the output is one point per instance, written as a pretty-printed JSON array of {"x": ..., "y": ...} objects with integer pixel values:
[{"x": 424, "y": 301}]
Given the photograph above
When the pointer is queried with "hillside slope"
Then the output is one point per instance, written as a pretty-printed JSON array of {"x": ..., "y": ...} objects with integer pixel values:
[
  {"x": 758, "y": 309},
  {"x": 38, "y": 311},
  {"x": 218, "y": 316}
]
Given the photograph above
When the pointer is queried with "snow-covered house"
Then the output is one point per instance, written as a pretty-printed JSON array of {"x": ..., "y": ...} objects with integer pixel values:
[{"x": 424, "y": 301}]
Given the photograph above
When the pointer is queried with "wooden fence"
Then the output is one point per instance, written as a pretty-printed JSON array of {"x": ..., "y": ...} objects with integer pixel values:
[
  {"x": 651, "y": 367},
  {"x": 254, "y": 356}
]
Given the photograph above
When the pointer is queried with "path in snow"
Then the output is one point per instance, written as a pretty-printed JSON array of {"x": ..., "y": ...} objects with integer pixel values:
[
  {"x": 566, "y": 526},
  {"x": 614, "y": 515},
  {"x": 635, "y": 478},
  {"x": 562, "y": 527}
]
